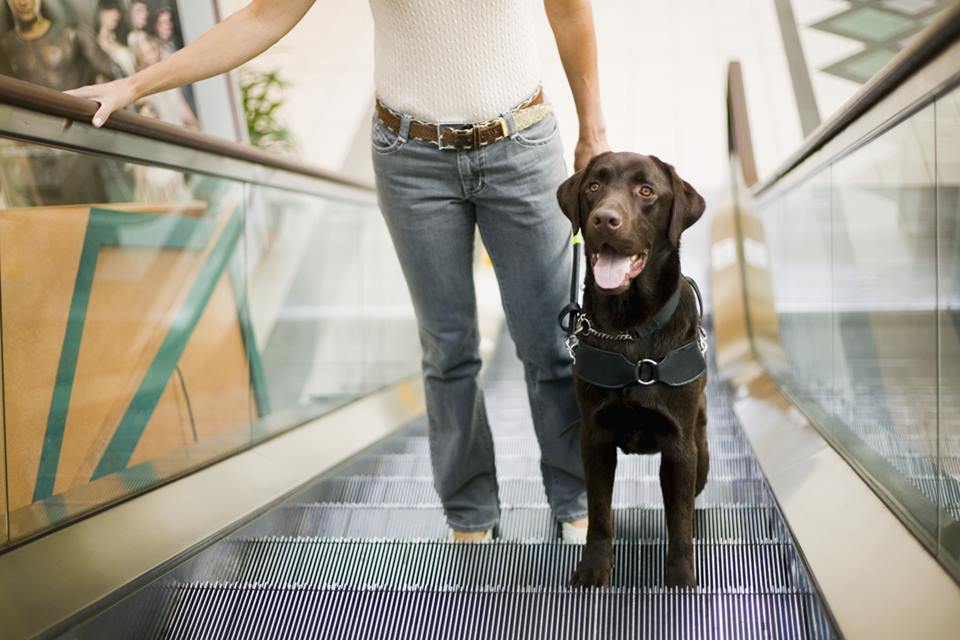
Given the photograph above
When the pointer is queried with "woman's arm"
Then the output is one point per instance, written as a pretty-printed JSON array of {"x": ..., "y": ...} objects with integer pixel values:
[
  {"x": 240, "y": 37},
  {"x": 572, "y": 24}
]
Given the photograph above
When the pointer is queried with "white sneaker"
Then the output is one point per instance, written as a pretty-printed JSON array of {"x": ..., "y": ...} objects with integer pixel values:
[
  {"x": 573, "y": 535},
  {"x": 486, "y": 537}
]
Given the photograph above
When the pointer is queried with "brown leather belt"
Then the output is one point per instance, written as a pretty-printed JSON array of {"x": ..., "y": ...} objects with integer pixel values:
[{"x": 471, "y": 136}]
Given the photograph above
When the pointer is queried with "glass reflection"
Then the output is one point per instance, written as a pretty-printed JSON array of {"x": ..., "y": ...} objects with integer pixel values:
[
  {"x": 884, "y": 292},
  {"x": 948, "y": 227},
  {"x": 853, "y": 259},
  {"x": 798, "y": 236},
  {"x": 328, "y": 305},
  {"x": 122, "y": 344},
  {"x": 152, "y": 321}
]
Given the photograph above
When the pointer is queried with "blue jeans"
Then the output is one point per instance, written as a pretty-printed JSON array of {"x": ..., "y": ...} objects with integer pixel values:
[{"x": 433, "y": 200}]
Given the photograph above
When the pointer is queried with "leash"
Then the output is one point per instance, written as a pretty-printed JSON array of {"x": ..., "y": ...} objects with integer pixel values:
[{"x": 612, "y": 370}]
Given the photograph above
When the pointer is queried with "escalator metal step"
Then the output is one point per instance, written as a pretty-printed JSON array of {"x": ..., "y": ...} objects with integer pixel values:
[
  {"x": 513, "y": 466},
  {"x": 517, "y": 492},
  {"x": 333, "y": 520},
  {"x": 202, "y": 611},
  {"x": 758, "y": 567},
  {"x": 526, "y": 445}
]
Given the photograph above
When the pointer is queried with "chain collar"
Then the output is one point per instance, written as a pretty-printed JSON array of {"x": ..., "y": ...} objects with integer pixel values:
[
  {"x": 661, "y": 317},
  {"x": 584, "y": 327}
]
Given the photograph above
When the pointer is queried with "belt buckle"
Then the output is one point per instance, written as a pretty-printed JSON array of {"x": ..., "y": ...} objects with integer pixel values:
[{"x": 456, "y": 130}]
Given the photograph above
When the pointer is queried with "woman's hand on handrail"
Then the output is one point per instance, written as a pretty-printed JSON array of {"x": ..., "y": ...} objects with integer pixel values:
[
  {"x": 111, "y": 96},
  {"x": 242, "y": 36}
]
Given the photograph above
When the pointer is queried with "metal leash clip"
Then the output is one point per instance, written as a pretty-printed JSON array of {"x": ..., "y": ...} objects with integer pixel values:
[
  {"x": 571, "y": 343},
  {"x": 583, "y": 324}
]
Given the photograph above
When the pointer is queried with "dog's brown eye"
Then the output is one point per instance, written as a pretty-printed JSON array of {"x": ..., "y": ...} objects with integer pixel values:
[
  {"x": 593, "y": 187},
  {"x": 646, "y": 191}
]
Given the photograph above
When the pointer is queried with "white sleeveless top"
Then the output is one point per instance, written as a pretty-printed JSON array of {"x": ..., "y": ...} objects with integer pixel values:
[{"x": 455, "y": 61}]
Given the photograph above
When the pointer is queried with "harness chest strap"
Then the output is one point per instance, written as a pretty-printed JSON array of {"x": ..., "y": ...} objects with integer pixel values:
[{"x": 612, "y": 370}]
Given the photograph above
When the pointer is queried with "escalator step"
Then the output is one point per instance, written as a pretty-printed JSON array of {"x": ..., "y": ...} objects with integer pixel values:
[
  {"x": 202, "y": 611},
  {"x": 731, "y": 522},
  {"x": 758, "y": 567},
  {"x": 720, "y": 444},
  {"x": 513, "y": 466},
  {"x": 524, "y": 492}
]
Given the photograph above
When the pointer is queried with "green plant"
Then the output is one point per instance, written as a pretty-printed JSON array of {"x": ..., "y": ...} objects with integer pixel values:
[{"x": 264, "y": 93}]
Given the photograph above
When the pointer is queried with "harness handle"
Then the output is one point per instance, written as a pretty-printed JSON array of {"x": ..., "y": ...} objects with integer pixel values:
[
  {"x": 573, "y": 310},
  {"x": 568, "y": 317}
]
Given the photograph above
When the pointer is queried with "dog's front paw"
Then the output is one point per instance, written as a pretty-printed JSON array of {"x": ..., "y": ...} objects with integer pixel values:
[
  {"x": 679, "y": 574},
  {"x": 593, "y": 571}
]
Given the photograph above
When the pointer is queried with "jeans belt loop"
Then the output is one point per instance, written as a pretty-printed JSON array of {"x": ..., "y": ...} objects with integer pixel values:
[
  {"x": 511, "y": 124},
  {"x": 404, "y": 132}
]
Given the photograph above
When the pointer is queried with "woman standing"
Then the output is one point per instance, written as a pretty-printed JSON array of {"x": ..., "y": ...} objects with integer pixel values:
[{"x": 463, "y": 140}]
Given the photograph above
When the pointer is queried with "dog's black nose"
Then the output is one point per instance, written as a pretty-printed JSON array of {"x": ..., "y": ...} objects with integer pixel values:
[{"x": 606, "y": 218}]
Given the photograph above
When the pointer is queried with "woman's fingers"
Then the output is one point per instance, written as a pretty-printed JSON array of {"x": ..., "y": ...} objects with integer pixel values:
[
  {"x": 110, "y": 96},
  {"x": 101, "y": 115},
  {"x": 94, "y": 93}
]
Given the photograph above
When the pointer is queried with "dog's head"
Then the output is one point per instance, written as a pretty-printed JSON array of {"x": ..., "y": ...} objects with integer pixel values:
[{"x": 630, "y": 207}]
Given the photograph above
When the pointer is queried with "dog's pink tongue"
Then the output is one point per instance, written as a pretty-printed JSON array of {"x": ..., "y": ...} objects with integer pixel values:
[{"x": 610, "y": 269}]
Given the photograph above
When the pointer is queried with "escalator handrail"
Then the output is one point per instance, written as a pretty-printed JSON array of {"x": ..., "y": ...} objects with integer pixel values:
[
  {"x": 928, "y": 44},
  {"x": 740, "y": 141},
  {"x": 32, "y": 97}
]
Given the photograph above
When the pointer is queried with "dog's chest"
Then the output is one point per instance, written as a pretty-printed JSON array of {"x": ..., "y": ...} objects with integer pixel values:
[{"x": 634, "y": 428}]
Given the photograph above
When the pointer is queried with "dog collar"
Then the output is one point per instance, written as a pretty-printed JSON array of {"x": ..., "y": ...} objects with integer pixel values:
[{"x": 584, "y": 326}]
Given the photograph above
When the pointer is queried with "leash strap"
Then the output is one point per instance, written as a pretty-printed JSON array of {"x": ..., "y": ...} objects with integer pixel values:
[{"x": 572, "y": 311}]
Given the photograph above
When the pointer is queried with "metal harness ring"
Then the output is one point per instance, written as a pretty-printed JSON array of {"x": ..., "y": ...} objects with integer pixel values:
[{"x": 652, "y": 380}]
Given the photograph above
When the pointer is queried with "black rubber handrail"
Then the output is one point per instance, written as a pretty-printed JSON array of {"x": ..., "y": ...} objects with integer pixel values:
[{"x": 32, "y": 97}]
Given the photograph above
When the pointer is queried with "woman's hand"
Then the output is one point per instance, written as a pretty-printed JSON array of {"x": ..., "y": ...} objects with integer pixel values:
[
  {"x": 240, "y": 37},
  {"x": 111, "y": 96},
  {"x": 588, "y": 146}
]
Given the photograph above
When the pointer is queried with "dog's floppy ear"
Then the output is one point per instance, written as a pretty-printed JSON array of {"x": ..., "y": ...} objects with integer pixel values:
[
  {"x": 570, "y": 190},
  {"x": 568, "y": 195},
  {"x": 688, "y": 205}
]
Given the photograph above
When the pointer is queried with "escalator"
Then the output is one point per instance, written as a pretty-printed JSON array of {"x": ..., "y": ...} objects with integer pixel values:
[
  {"x": 279, "y": 486},
  {"x": 362, "y": 553}
]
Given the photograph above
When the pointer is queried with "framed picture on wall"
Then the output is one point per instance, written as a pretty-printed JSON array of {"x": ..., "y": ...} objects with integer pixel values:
[{"x": 63, "y": 44}]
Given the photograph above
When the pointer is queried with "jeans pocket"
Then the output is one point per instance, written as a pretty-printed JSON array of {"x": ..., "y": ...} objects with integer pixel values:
[
  {"x": 383, "y": 140},
  {"x": 539, "y": 133}
]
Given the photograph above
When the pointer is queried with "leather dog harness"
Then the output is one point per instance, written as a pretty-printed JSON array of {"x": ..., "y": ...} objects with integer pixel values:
[
  {"x": 471, "y": 136},
  {"x": 612, "y": 370}
]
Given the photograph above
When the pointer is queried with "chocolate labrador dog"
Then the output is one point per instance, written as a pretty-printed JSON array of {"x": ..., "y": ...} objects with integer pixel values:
[{"x": 640, "y": 366}]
